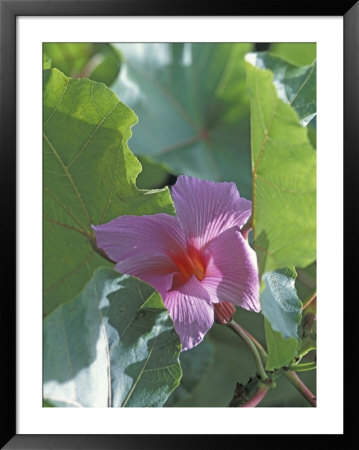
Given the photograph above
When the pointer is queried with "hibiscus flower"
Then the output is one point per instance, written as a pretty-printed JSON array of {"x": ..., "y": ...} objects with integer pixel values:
[{"x": 194, "y": 260}]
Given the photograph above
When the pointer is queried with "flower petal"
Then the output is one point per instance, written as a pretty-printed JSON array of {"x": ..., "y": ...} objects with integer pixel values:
[
  {"x": 205, "y": 209},
  {"x": 141, "y": 245},
  {"x": 156, "y": 273},
  {"x": 232, "y": 271},
  {"x": 191, "y": 311}
]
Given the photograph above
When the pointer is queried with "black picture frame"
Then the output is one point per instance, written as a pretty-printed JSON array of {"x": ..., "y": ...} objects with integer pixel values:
[{"x": 9, "y": 11}]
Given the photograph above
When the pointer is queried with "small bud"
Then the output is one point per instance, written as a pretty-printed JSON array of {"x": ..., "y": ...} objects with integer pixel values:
[{"x": 224, "y": 312}]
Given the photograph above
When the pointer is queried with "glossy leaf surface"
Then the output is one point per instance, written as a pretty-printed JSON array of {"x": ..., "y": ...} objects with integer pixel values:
[
  {"x": 89, "y": 178},
  {"x": 284, "y": 178}
]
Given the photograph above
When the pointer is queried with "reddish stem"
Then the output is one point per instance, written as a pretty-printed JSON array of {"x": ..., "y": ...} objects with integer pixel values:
[
  {"x": 300, "y": 386},
  {"x": 309, "y": 301},
  {"x": 256, "y": 399}
]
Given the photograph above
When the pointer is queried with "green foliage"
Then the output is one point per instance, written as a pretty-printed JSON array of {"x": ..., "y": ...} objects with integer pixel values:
[
  {"x": 193, "y": 109},
  {"x": 299, "y": 53},
  {"x": 192, "y": 104},
  {"x": 305, "y": 282},
  {"x": 46, "y": 62},
  {"x": 107, "y": 65},
  {"x": 89, "y": 178},
  {"x": 280, "y": 302},
  {"x": 283, "y": 311},
  {"x": 69, "y": 57},
  {"x": 284, "y": 178},
  {"x": 153, "y": 175},
  {"x": 281, "y": 351},
  {"x": 98, "y": 62},
  {"x": 296, "y": 86},
  {"x": 113, "y": 345},
  {"x": 195, "y": 363}
]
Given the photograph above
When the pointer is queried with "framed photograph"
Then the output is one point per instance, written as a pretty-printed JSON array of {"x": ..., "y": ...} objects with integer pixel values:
[{"x": 171, "y": 174}]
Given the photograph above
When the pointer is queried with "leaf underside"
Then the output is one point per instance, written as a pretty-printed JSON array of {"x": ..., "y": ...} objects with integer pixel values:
[
  {"x": 193, "y": 107},
  {"x": 112, "y": 346}
]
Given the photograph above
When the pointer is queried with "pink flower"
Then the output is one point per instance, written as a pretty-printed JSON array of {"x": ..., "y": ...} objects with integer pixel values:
[{"x": 194, "y": 260}]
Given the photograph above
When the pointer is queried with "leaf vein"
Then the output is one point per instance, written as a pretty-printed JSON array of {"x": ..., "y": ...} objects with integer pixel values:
[
  {"x": 58, "y": 103},
  {"x": 290, "y": 191},
  {"x": 71, "y": 181},
  {"x": 67, "y": 276},
  {"x": 79, "y": 153},
  {"x": 139, "y": 375}
]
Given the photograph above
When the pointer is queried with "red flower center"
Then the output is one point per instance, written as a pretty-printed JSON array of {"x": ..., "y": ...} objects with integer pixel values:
[{"x": 189, "y": 263}]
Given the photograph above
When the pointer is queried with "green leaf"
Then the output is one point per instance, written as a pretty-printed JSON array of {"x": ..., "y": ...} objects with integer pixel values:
[
  {"x": 195, "y": 363},
  {"x": 312, "y": 135},
  {"x": 296, "y": 86},
  {"x": 89, "y": 178},
  {"x": 69, "y": 57},
  {"x": 299, "y": 53},
  {"x": 153, "y": 175},
  {"x": 305, "y": 282},
  {"x": 193, "y": 107},
  {"x": 107, "y": 65},
  {"x": 307, "y": 345},
  {"x": 99, "y": 62},
  {"x": 113, "y": 345},
  {"x": 281, "y": 351},
  {"x": 280, "y": 303},
  {"x": 283, "y": 311},
  {"x": 46, "y": 62},
  {"x": 284, "y": 179}
]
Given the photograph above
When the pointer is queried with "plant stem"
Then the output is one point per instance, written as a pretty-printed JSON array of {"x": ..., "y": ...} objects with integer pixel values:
[
  {"x": 307, "y": 303},
  {"x": 261, "y": 356},
  {"x": 259, "y": 346},
  {"x": 248, "y": 340},
  {"x": 300, "y": 386},
  {"x": 256, "y": 399},
  {"x": 304, "y": 367}
]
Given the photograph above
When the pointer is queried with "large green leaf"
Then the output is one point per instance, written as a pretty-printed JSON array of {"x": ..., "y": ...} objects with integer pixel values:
[
  {"x": 284, "y": 178},
  {"x": 195, "y": 363},
  {"x": 280, "y": 302},
  {"x": 193, "y": 108},
  {"x": 299, "y": 53},
  {"x": 281, "y": 351},
  {"x": 295, "y": 85},
  {"x": 89, "y": 178},
  {"x": 113, "y": 345}
]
